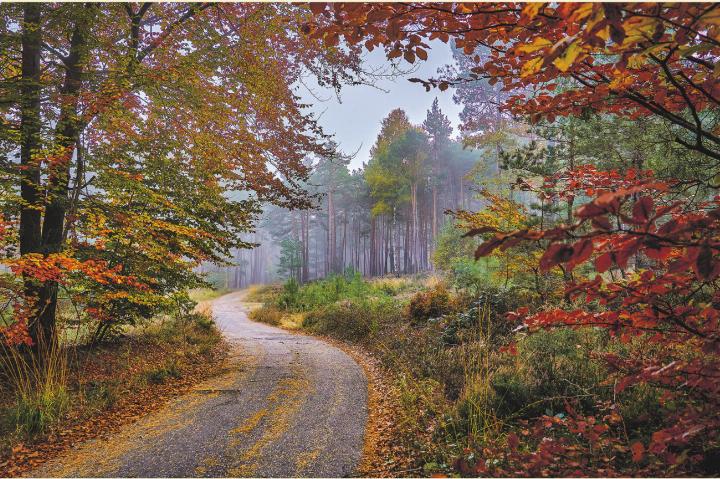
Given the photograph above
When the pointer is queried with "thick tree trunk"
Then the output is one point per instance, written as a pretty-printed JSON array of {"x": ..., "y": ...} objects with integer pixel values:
[
  {"x": 67, "y": 132},
  {"x": 30, "y": 215},
  {"x": 30, "y": 229}
]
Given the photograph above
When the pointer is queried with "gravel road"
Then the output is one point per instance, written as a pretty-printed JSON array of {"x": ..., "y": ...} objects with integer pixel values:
[{"x": 290, "y": 406}]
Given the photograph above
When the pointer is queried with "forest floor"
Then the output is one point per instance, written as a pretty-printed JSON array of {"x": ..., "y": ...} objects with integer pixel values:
[
  {"x": 112, "y": 385},
  {"x": 286, "y": 405}
]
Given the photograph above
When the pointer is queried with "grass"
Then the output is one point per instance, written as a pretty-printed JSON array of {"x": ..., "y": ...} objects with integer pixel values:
[
  {"x": 161, "y": 374},
  {"x": 78, "y": 383},
  {"x": 459, "y": 391},
  {"x": 206, "y": 294},
  {"x": 38, "y": 383},
  {"x": 263, "y": 293}
]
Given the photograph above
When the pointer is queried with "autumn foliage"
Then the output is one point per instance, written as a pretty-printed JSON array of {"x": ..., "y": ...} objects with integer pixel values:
[
  {"x": 558, "y": 60},
  {"x": 139, "y": 140},
  {"x": 639, "y": 258}
]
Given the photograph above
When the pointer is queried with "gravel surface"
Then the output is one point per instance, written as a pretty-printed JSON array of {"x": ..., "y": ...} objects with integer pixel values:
[{"x": 288, "y": 406}]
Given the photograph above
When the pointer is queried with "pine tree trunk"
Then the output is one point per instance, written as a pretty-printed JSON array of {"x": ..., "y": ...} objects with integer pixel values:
[
  {"x": 434, "y": 213},
  {"x": 414, "y": 237},
  {"x": 344, "y": 240},
  {"x": 331, "y": 232},
  {"x": 372, "y": 246}
]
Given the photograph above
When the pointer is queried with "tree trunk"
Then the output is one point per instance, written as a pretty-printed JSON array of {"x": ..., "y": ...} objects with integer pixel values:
[
  {"x": 414, "y": 238},
  {"x": 344, "y": 240},
  {"x": 373, "y": 252},
  {"x": 305, "y": 246},
  {"x": 434, "y": 212},
  {"x": 67, "y": 132},
  {"x": 30, "y": 127}
]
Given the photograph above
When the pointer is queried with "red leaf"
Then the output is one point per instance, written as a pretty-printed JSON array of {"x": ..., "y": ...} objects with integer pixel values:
[
  {"x": 510, "y": 349},
  {"x": 513, "y": 441},
  {"x": 555, "y": 254},
  {"x": 703, "y": 265},
  {"x": 489, "y": 246},
  {"x": 589, "y": 210},
  {"x": 603, "y": 262},
  {"x": 638, "y": 451},
  {"x": 317, "y": 7},
  {"x": 643, "y": 209},
  {"x": 581, "y": 252},
  {"x": 601, "y": 223}
]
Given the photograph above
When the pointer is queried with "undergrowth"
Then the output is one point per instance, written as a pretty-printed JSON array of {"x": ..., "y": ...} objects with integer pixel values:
[
  {"x": 70, "y": 383},
  {"x": 467, "y": 378}
]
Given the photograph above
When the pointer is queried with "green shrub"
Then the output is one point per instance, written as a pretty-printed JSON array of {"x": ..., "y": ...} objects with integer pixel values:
[
  {"x": 202, "y": 321},
  {"x": 550, "y": 368},
  {"x": 161, "y": 374},
  {"x": 100, "y": 395},
  {"x": 429, "y": 304},
  {"x": 467, "y": 274},
  {"x": 268, "y": 314},
  {"x": 350, "y": 320},
  {"x": 498, "y": 302},
  {"x": 316, "y": 294},
  {"x": 35, "y": 413},
  {"x": 289, "y": 297}
]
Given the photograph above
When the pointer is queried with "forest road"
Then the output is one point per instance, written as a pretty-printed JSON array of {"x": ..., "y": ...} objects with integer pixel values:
[{"x": 290, "y": 405}]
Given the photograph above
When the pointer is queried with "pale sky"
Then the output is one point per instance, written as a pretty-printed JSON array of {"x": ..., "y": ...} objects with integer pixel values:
[{"x": 355, "y": 120}]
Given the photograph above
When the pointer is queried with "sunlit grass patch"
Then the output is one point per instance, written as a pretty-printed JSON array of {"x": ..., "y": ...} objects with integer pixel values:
[
  {"x": 39, "y": 383},
  {"x": 206, "y": 294},
  {"x": 264, "y": 293}
]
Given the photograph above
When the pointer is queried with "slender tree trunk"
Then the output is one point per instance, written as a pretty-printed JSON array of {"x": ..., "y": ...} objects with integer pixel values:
[
  {"x": 434, "y": 212},
  {"x": 406, "y": 248},
  {"x": 571, "y": 199},
  {"x": 414, "y": 238},
  {"x": 373, "y": 227},
  {"x": 344, "y": 240}
]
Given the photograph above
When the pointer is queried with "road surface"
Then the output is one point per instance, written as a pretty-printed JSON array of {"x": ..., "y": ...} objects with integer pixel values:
[{"x": 290, "y": 406}]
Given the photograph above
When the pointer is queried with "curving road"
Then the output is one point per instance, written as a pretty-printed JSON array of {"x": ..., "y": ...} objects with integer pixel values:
[{"x": 289, "y": 406}]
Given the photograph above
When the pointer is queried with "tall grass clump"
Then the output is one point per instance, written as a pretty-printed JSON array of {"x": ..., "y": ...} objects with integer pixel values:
[
  {"x": 39, "y": 382},
  {"x": 347, "y": 286}
]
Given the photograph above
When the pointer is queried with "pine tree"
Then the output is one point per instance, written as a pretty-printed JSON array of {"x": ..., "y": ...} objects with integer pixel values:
[{"x": 438, "y": 127}]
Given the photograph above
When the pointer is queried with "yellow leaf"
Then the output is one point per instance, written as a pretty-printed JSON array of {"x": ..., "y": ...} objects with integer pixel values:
[
  {"x": 538, "y": 44},
  {"x": 531, "y": 67},
  {"x": 711, "y": 18},
  {"x": 637, "y": 60},
  {"x": 604, "y": 33},
  {"x": 584, "y": 10},
  {"x": 568, "y": 57},
  {"x": 638, "y": 29},
  {"x": 530, "y": 10},
  {"x": 595, "y": 19}
]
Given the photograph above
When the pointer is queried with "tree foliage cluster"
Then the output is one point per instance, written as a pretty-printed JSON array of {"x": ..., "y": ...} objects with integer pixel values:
[
  {"x": 635, "y": 239},
  {"x": 386, "y": 217},
  {"x": 128, "y": 132}
]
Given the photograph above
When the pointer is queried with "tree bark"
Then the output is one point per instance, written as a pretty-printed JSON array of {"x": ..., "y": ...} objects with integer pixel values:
[
  {"x": 67, "y": 132},
  {"x": 30, "y": 231}
]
